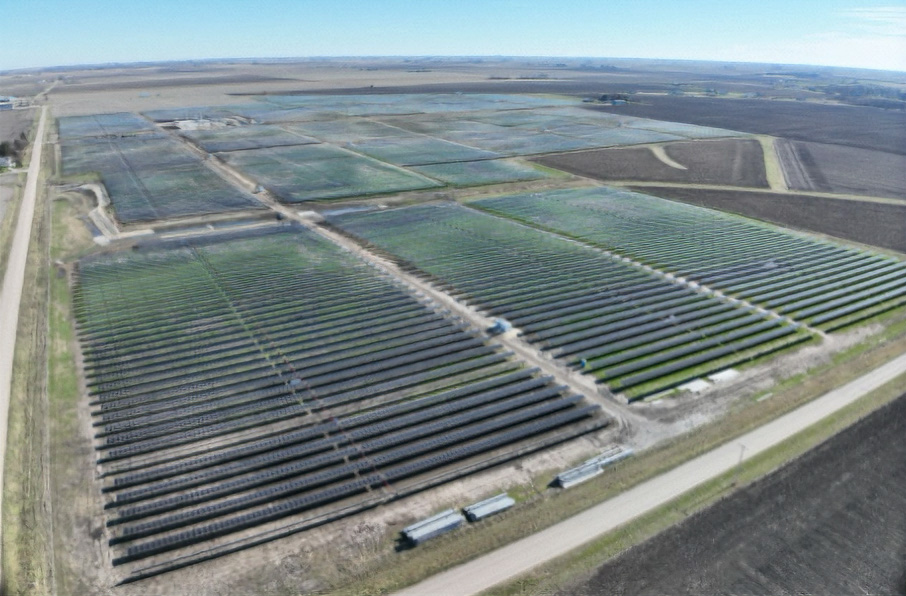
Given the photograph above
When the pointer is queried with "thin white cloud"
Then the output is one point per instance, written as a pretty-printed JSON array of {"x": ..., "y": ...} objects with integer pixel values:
[
  {"x": 878, "y": 20},
  {"x": 871, "y": 37}
]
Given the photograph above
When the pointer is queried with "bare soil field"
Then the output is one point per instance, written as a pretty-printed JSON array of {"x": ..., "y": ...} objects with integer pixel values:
[
  {"x": 834, "y": 168},
  {"x": 13, "y": 123},
  {"x": 867, "y": 128},
  {"x": 726, "y": 161},
  {"x": 876, "y": 224},
  {"x": 22, "y": 84},
  {"x": 830, "y": 522},
  {"x": 91, "y": 91}
]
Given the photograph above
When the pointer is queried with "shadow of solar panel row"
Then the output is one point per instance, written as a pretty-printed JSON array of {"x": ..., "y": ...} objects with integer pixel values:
[
  {"x": 271, "y": 510},
  {"x": 207, "y": 407},
  {"x": 488, "y": 378},
  {"x": 817, "y": 282},
  {"x": 364, "y": 391},
  {"x": 573, "y": 300},
  {"x": 344, "y": 446},
  {"x": 276, "y": 485},
  {"x": 309, "y": 439}
]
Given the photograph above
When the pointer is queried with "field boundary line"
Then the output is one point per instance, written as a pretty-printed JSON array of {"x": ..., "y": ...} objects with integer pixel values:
[
  {"x": 508, "y": 562},
  {"x": 11, "y": 292},
  {"x": 755, "y": 189}
]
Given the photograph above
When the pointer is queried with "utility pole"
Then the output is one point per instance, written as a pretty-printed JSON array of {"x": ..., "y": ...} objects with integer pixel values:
[{"x": 742, "y": 451}]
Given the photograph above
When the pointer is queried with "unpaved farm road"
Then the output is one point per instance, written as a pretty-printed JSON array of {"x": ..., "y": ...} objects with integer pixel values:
[
  {"x": 11, "y": 293},
  {"x": 519, "y": 557}
]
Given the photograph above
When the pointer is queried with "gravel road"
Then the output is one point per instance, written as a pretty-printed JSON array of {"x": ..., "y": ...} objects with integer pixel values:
[{"x": 11, "y": 294}]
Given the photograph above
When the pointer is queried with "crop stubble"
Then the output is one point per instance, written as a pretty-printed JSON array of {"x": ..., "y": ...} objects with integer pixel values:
[
  {"x": 828, "y": 523},
  {"x": 728, "y": 161}
]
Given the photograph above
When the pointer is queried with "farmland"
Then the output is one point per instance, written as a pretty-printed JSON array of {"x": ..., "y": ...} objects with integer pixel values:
[
  {"x": 865, "y": 128},
  {"x": 302, "y": 380},
  {"x": 283, "y": 350},
  {"x": 867, "y": 222},
  {"x": 639, "y": 333},
  {"x": 730, "y": 162},
  {"x": 829, "y": 522},
  {"x": 817, "y": 283},
  {"x": 310, "y": 149},
  {"x": 835, "y": 168}
]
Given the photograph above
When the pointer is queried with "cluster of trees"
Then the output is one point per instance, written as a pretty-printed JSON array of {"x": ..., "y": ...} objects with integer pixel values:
[
  {"x": 14, "y": 149},
  {"x": 879, "y": 96}
]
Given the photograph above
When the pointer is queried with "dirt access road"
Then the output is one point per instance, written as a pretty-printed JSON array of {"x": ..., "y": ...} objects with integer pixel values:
[
  {"x": 519, "y": 557},
  {"x": 11, "y": 294}
]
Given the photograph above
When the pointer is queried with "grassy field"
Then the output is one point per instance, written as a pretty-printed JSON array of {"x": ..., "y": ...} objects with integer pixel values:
[
  {"x": 42, "y": 406},
  {"x": 8, "y": 225},
  {"x": 70, "y": 485},
  {"x": 27, "y": 564}
]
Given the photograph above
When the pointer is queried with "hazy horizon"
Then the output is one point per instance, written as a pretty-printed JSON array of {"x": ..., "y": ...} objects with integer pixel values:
[
  {"x": 842, "y": 33},
  {"x": 426, "y": 57}
]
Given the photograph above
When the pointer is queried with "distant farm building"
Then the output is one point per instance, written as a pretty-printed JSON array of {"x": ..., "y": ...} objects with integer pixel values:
[{"x": 614, "y": 99}]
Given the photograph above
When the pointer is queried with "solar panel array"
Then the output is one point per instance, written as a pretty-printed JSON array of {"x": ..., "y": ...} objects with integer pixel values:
[
  {"x": 820, "y": 283},
  {"x": 244, "y": 378},
  {"x": 632, "y": 329},
  {"x": 152, "y": 176}
]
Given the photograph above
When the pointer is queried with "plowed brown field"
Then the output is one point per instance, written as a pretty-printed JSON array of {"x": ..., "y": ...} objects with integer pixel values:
[
  {"x": 830, "y": 522},
  {"x": 877, "y": 224},
  {"x": 733, "y": 162}
]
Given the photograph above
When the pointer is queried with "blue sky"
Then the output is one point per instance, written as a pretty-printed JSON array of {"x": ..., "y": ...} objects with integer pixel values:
[{"x": 830, "y": 32}]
